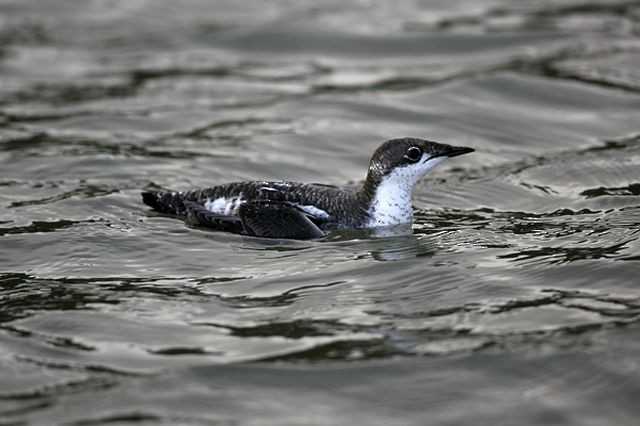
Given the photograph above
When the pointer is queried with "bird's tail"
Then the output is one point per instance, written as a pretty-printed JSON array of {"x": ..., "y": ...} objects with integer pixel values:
[{"x": 165, "y": 202}]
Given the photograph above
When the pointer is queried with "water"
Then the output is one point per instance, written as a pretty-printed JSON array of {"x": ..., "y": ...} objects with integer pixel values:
[{"x": 514, "y": 300}]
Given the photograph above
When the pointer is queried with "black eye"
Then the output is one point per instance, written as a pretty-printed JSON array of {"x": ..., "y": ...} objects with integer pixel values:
[{"x": 414, "y": 153}]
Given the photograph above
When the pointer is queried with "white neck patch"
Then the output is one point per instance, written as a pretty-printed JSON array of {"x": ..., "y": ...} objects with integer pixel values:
[{"x": 391, "y": 204}]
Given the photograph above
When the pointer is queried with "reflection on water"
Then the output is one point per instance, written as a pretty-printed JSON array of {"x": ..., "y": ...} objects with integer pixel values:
[{"x": 515, "y": 288}]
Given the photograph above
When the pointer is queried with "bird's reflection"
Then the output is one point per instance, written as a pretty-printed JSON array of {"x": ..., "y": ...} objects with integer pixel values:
[{"x": 392, "y": 243}]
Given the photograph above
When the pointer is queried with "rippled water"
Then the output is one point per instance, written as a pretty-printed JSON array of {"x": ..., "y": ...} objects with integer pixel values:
[{"x": 516, "y": 300}]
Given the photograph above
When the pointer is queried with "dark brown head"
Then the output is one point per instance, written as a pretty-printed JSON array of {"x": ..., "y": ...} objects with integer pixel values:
[{"x": 407, "y": 160}]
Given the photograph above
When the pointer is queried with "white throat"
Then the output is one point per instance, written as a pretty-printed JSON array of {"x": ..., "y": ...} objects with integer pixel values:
[{"x": 391, "y": 204}]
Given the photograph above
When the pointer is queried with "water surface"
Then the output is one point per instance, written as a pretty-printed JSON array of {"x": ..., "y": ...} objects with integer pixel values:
[{"x": 515, "y": 298}]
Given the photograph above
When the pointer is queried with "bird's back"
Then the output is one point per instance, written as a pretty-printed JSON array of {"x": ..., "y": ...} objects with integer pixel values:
[{"x": 329, "y": 206}]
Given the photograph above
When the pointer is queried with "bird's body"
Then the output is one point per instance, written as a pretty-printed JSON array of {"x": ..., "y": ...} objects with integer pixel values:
[
  {"x": 302, "y": 211},
  {"x": 329, "y": 207}
]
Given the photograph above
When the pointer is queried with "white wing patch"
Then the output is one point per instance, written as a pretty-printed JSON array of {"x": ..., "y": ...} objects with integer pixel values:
[
  {"x": 313, "y": 211},
  {"x": 230, "y": 205},
  {"x": 224, "y": 205}
]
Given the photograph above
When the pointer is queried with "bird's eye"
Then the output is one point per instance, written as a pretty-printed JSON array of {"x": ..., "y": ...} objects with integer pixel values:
[{"x": 414, "y": 153}]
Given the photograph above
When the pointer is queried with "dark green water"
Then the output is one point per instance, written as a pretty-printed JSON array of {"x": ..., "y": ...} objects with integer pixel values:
[{"x": 516, "y": 300}]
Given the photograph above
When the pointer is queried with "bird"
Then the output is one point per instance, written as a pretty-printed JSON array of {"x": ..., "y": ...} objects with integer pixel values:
[{"x": 304, "y": 211}]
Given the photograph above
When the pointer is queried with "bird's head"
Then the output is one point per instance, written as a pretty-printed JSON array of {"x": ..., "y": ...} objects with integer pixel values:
[{"x": 409, "y": 159}]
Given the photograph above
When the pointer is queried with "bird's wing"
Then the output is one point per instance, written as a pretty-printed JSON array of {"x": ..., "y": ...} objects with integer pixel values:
[
  {"x": 221, "y": 222},
  {"x": 260, "y": 219},
  {"x": 277, "y": 220}
]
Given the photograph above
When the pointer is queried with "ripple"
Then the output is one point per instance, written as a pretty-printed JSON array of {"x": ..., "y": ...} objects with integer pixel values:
[
  {"x": 617, "y": 70},
  {"x": 632, "y": 189},
  {"x": 37, "y": 227},
  {"x": 567, "y": 254},
  {"x": 46, "y": 145}
]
